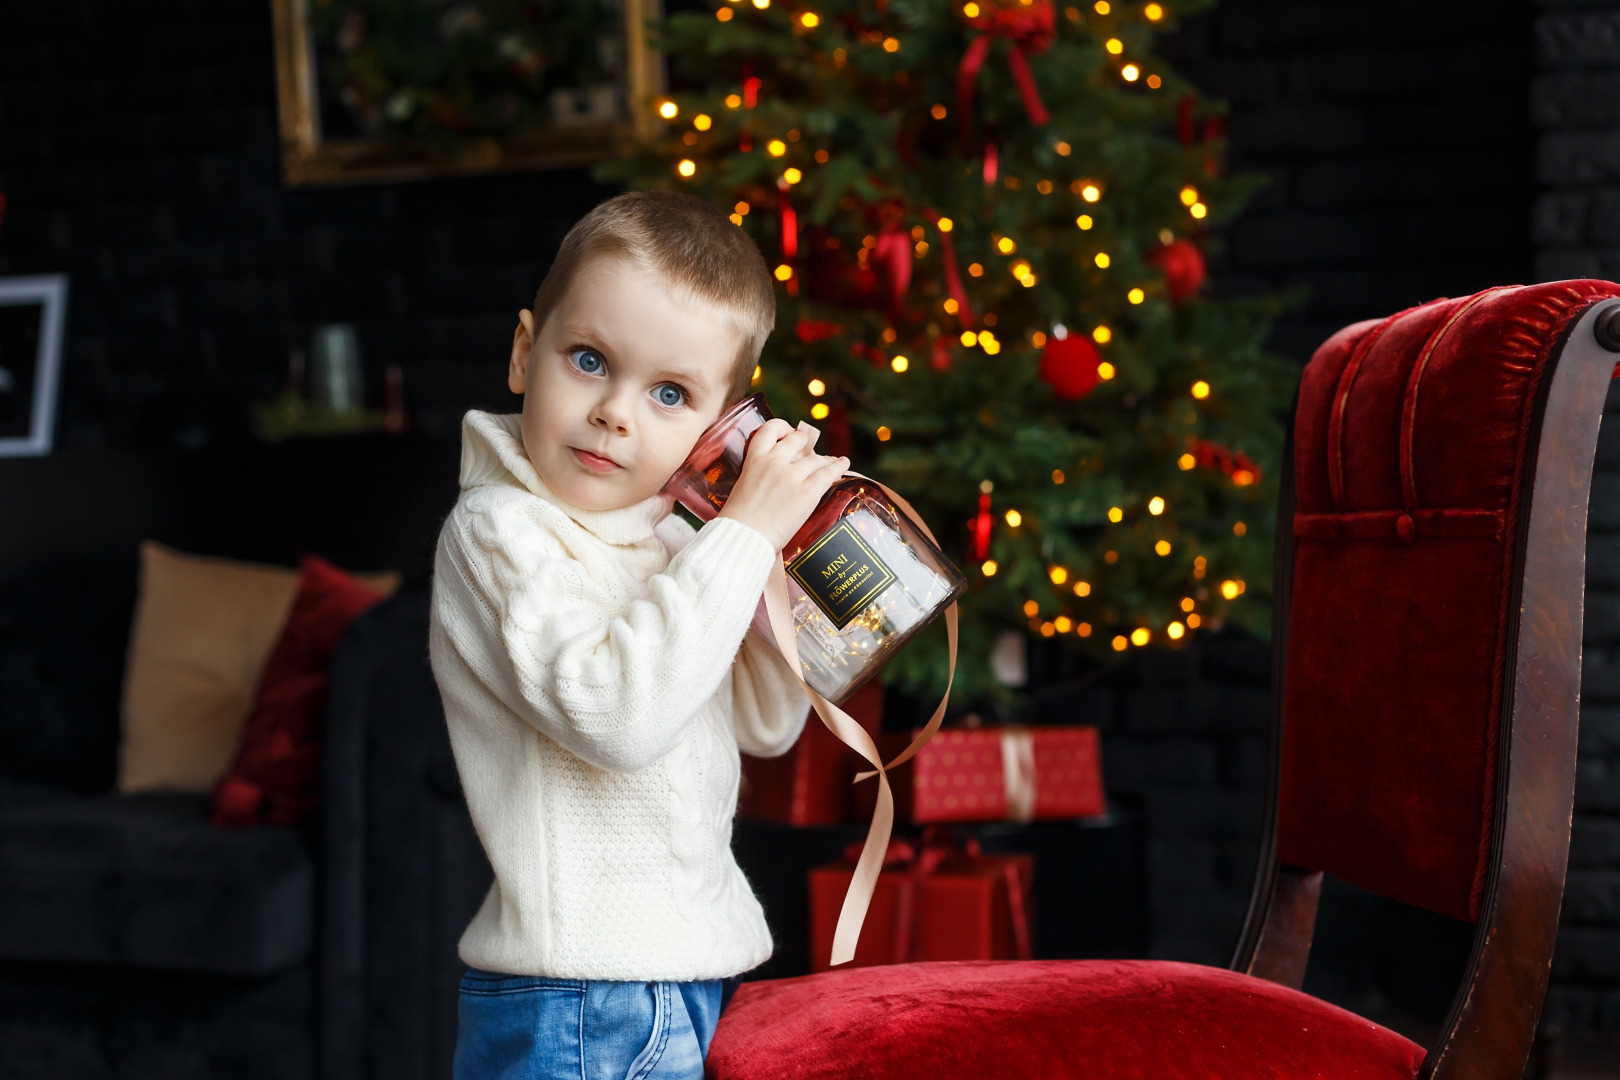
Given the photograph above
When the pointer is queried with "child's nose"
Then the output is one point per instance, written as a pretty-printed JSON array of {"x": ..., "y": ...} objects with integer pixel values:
[{"x": 612, "y": 412}]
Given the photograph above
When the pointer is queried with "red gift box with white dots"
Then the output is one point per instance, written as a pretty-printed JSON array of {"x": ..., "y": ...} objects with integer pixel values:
[{"x": 961, "y": 775}]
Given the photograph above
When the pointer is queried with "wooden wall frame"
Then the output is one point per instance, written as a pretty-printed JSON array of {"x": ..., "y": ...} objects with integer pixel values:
[{"x": 308, "y": 159}]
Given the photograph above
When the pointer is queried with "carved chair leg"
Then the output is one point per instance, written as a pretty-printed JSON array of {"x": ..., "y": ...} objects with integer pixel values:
[{"x": 1284, "y": 947}]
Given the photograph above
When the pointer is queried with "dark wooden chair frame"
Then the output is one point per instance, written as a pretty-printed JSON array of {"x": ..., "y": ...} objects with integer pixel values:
[{"x": 1492, "y": 1021}]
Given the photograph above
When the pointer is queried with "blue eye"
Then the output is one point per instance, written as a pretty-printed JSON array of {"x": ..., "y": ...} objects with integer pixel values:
[
  {"x": 671, "y": 395},
  {"x": 588, "y": 360}
]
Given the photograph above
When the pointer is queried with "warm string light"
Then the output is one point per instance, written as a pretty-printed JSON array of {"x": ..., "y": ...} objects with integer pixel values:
[
  {"x": 819, "y": 410},
  {"x": 668, "y": 109},
  {"x": 687, "y": 168},
  {"x": 1136, "y": 296},
  {"x": 1102, "y": 335},
  {"x": 1200, "y": 389},
  {"x": 817, "y": 388},
  {"x": 1014, "y": 518},
  {"x": 1058, "y": 575}
]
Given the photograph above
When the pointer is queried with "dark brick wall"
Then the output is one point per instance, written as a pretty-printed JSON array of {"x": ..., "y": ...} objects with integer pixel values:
[
  {"x": 1575, "y": 103},
  {"x": 1398, "y": 143},
  {"x": 138, "y": 153}
]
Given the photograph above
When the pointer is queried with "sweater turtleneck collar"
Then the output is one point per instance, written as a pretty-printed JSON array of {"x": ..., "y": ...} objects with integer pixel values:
[{"x": 492, "y": 453}]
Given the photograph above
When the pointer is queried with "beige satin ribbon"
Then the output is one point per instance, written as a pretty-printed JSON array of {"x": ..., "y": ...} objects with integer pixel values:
[
  {"x": 1018, "y": 773},
  {"x": 867, "y": 868}
]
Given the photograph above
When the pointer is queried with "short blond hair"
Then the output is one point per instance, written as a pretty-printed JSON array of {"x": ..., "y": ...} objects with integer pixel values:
[{"x": 691, "y": 245}]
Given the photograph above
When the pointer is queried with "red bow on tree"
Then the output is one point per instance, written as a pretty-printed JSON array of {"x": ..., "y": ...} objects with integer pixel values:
[{"x": 1029, "y": 29}]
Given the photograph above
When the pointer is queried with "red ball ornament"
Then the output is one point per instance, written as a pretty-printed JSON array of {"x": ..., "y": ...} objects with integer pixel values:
[
  {"x": 1069, "y": 366},
  {"x": 1183, "y": 267}
]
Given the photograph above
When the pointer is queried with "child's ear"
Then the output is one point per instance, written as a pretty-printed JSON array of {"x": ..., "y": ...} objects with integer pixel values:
[{"x": 517, "y": 372}]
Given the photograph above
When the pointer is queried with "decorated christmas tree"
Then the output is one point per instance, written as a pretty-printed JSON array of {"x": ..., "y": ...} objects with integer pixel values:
[{"x": 989, "y": 222}]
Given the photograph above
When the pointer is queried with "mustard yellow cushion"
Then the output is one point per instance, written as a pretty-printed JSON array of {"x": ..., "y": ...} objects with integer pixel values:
[{"x": 203, "y": 629}]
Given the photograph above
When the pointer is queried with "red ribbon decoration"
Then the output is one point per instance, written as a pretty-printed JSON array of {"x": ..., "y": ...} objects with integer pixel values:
[
  {"x": 1184, "y": 120},
  {"x": 992, "y": 163},
  {"x": 981, "y": 528},
  {"x": 1029, "y": 30},
  {"x": 893, "y": 252},
  {"x": 953, "y": 277},
  {"x": 790, "y": 222}
]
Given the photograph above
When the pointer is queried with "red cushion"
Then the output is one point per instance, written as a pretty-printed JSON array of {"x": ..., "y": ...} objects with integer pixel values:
[
  {"x": 1096, "y": 1019},
  {"x": 276, "y": 777},
  {"x": 1410, "y": 441}
]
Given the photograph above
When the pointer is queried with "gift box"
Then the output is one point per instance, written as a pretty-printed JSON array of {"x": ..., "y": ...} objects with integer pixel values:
[
  {"x": 811, "y": 783},
  {"x": 994, "y": 774},
  {"x": 933, "y": 902}
]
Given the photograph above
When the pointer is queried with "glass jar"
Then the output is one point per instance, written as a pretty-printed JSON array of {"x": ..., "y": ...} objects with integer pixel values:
[{"x": 862, "y": 578}]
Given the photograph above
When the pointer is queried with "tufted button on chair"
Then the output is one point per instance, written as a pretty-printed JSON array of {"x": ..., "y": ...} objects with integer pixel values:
[{"x": 1429, "y": 585}]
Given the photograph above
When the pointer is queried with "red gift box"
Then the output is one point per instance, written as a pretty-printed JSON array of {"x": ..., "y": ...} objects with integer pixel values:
[
  {"x": 936, "y": 903},
  {"x": 995, "y": 774},
  {"x": 810, "y": 784}
]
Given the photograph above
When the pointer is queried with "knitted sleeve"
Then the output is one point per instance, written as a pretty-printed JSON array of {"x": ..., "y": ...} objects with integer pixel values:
[
  {"x": 768, "y": 704},
  {"x": 614, "y": 683}
]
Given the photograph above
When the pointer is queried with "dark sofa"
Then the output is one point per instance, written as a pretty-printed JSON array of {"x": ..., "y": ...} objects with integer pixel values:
[{"x": 136, "y": 940}]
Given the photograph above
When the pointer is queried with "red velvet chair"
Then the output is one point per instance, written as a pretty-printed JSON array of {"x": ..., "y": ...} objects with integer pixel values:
[{"x": 1428, "y": 613}]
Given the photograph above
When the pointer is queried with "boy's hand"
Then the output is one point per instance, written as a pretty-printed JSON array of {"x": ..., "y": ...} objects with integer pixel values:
[{"x": 782, "y": 480}]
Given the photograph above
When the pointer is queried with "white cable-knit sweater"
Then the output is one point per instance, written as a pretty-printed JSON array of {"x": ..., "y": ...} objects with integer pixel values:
[{"x": 596, "y": 698}]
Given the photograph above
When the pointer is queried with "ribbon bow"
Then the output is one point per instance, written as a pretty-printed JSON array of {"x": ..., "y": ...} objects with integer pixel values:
[{"x": 1029, "y": 28}]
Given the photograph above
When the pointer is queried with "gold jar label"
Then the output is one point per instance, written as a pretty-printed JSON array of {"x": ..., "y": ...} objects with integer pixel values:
[{"x": 841, "y": 573}]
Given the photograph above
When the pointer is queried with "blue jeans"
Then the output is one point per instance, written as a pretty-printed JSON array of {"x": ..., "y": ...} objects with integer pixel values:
[{"x": 530, "y": 1027}]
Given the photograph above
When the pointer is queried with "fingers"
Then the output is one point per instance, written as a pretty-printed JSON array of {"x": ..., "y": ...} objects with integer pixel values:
[
  {"x": 770, "y": 433},
  {"x": 811, "y": 433}
]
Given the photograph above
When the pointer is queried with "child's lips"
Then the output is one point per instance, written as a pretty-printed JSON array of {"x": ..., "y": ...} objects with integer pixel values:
[{"x": 595, "y": 462}]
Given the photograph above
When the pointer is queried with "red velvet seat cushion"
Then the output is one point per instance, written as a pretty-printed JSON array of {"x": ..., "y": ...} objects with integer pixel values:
[
  {"x": 276, "y": 778},
  {"x": 1097, "y": 1019}
]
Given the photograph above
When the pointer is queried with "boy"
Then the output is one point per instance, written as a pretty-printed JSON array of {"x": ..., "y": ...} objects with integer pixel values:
[{"x": 586, "y": 645}]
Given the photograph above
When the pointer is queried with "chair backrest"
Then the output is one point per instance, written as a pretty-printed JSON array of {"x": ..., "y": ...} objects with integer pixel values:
[{"x": 1430, "y": 574}]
